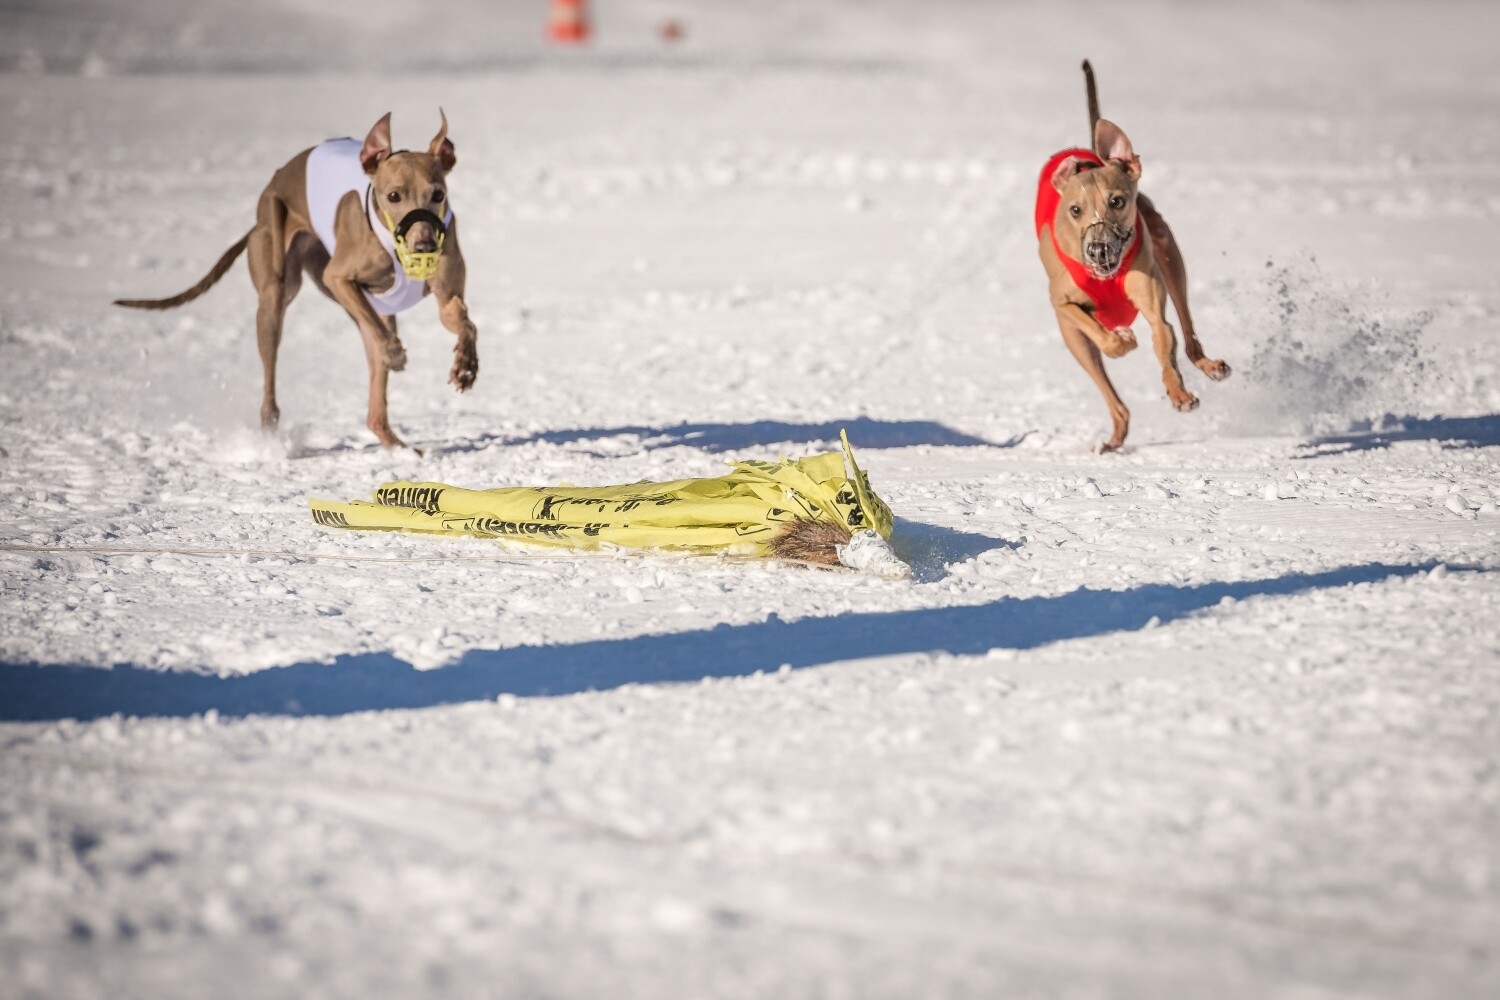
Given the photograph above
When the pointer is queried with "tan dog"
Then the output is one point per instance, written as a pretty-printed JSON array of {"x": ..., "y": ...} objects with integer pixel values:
[
  {"x": 1110, "y": 255},
  {"x": 373, "y": 230}
]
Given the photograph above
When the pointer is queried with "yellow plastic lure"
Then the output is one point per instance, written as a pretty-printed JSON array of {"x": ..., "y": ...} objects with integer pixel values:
[{"x": 741, "y": 513}]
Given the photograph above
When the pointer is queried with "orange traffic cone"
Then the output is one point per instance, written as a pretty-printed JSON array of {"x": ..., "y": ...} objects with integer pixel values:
[{"x": 570, "y": 22}]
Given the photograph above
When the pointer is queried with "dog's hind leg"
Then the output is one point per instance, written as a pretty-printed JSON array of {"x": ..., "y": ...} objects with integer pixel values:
[
  {"x": 268, "y": 271},
  {"x": 314, "y": 261},
  {"x": 301, "y": 259},
  {"x": 1174, "y": 276},
  {"x": 1092, "y": 361},
  {"x": 270, "y": 318},
  {"x": 1147, "y": 292}
]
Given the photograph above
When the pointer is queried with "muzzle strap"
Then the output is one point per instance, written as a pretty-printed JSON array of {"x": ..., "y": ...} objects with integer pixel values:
[
  {"x": 417, "y": 265},
  {"x": 415, "y": 216}
]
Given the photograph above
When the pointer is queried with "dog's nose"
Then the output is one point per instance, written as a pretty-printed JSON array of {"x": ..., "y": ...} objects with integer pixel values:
[
  {"x": 1098, "y": 252},
  {"x": 426, "y": 246}
]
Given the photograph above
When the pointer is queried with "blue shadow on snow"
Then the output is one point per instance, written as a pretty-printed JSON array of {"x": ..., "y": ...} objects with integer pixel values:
[
  {"x": 929, "y": 549},
  {"x": 1452, "y": 432},
  {"x": 864, "y": 432},
  {"x": 373, "y": 681}
]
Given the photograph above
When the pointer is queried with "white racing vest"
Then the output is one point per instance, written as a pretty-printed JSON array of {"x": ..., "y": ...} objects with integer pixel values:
[{"x": 333, "y": 170}]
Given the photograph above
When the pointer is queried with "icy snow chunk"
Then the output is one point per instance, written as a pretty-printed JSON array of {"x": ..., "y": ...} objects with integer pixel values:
[
  {"x": 870, "y": 553},
  {"x": 676, "y": 916},
  {"x": 1456, "y": 503},
  {"x": 217, "y": 914}
]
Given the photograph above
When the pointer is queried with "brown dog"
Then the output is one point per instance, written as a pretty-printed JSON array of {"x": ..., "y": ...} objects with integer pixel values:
[
  {"x": 1110, "y": 255},
  {"x": 374, "y": 231}
]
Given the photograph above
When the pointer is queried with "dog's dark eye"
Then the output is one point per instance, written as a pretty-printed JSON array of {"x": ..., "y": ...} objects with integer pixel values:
[
  {"x": 1075, "y": 211},
  {"x": 393, "y": 196},
  {"x": 437, "y": 195},
  {"x": 1117, "y": 202}
]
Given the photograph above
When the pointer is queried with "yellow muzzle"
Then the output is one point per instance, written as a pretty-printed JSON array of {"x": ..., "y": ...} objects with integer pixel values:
[{"x": 418, "y": 266}]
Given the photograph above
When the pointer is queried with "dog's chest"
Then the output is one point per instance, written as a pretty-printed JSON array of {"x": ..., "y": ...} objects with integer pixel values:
[{"x": 333, "y": 171}]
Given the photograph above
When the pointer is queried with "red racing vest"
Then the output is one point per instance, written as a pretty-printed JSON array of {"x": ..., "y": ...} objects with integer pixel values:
[{"x": 1111, "y": 306}]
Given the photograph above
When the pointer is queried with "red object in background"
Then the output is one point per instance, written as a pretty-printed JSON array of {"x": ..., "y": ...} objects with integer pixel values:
[
  {"x": 671, "y": 31},
  {"x": 569, "y": 23}
]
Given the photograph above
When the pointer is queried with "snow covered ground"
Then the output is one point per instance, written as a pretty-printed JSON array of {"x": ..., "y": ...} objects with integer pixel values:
[{"x": 1219, "y": 716}]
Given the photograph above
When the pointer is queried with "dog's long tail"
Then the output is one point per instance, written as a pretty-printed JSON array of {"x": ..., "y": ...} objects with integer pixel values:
[
  {"x": 207, "y": 282},
  {"x": 1088, "y": 79}
]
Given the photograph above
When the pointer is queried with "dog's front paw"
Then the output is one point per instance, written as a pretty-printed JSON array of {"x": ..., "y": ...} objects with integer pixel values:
[
  {"x": 1213, "y": 368},
  {"x": 1119, "y": 343},
  {"x": 465, "y": 367},
  {"x": 395, "y": 356},
  {"x": 1183, "y": 401}
]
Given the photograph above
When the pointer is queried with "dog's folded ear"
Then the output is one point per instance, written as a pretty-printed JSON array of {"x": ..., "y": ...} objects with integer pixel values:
[
  {"x": 377, "y": 144},
  {"x": 1114, "y": 146},
  {"x": 1067, "y": 170},
  {"x": 441, "y": 147}
]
